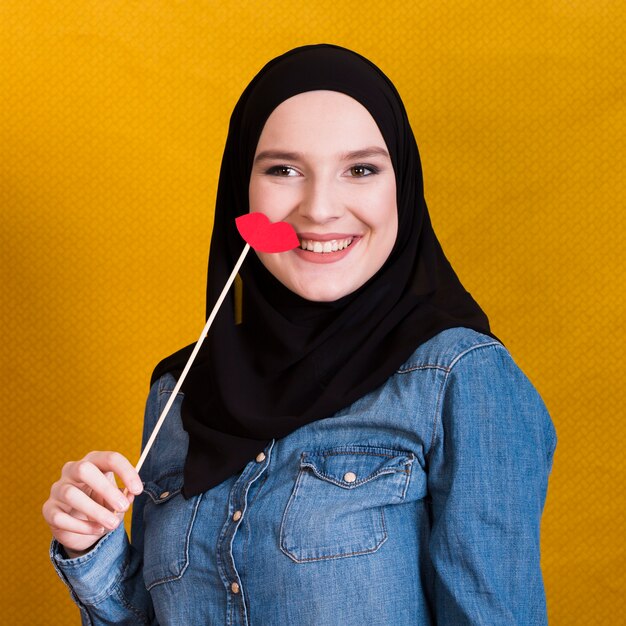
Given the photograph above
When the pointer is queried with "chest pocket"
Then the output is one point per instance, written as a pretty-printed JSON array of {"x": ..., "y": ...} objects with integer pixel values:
[
  {"x": 336, "y": 508},
  {"x": 168, "y": 521}
]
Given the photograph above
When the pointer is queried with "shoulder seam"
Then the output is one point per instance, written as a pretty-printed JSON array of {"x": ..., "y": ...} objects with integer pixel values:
[
  {"x": 164, "y": 388},
  {"x": 444, "y": 384},
  {"x": 445, "y": 368}
]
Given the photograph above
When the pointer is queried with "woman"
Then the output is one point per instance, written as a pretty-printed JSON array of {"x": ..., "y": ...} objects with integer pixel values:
[{"x": 360, "y": 448}]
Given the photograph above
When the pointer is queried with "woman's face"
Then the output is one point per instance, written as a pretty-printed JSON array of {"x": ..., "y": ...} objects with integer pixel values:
[{"x": 322, "y": 165}]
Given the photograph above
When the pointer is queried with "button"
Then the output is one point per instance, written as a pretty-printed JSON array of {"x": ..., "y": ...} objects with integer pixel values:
[
  {"x": 260, "y": 457},
  {"x": 164, "y": 495},
  {"x": 234, "y": 587},
  {"x": 349, "y": 477},
  {"x": 236, "y": 515}
]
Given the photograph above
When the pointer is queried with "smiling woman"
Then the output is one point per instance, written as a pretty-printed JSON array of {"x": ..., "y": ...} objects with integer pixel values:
[
  {"x": 360, "y": 441},
  {"x": 342, "y": 207}
]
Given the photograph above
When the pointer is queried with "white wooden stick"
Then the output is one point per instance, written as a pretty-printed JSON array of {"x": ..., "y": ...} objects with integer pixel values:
[{"x": 205, "y": 331}]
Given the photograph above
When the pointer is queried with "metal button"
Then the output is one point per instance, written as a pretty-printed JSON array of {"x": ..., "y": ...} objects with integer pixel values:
[
  {"x": 349, "y": 477},
  {"x": 260, "y": 457},
  {"x": 234, "y": 587},
  {"x": 236, "y": 515},
  {"x": 164, "y": 495}
]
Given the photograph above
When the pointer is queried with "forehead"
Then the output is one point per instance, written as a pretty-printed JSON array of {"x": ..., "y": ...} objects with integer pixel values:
[{"x": 321, "y": 117}]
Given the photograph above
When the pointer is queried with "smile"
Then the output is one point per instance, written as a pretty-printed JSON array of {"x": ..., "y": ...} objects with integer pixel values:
[{"x": 325, "y": 247}]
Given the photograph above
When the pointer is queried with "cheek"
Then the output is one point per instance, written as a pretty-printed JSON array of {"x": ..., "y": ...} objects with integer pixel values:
[
  {"x": 383, "y": 210},
  {"x": 255, "y": 195},
  {"x": 272, "y": 199}
]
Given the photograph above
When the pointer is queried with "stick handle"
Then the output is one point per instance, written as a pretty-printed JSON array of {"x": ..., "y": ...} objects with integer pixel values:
[{"x": 205, "y": 331}]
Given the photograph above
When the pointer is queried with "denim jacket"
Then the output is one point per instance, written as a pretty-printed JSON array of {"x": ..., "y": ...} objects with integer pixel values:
[{"x": 418, "y": 504}]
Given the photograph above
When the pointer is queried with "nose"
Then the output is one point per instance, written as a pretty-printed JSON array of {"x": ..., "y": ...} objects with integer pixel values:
[{"x": 320, "y": 202}]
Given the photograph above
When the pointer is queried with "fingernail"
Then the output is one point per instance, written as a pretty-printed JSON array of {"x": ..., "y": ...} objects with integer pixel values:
[
  {"x": 137, "y": 486},
  {"x": 101, "y": 530},
  {"x": 122, "y": 504},
  {"x": 112, "y": 521}
]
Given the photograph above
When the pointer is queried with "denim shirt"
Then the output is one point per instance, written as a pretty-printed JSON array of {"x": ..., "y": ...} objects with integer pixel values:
[{"x": 418, "y": 504}]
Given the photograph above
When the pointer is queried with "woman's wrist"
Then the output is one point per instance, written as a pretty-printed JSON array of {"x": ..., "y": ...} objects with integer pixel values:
[{"x": 73, "y": 554}]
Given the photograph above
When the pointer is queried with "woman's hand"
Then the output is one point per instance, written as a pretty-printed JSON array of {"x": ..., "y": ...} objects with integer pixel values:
[{"x": 83, "y": 503}]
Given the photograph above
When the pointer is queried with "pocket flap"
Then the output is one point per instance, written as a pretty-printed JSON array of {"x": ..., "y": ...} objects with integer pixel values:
[
  {"x": 352, "y": 466},
  {"x": 165, "y": 488}
]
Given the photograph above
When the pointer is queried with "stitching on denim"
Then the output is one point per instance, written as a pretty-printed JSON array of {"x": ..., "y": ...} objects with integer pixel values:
[
  {"x": 222, "y": 566},
  {"x": 137, "y": 612},
  {"x": 357, "y": 483},
  {"x": 340, "y": 453},
  {"x": 341, "y": 556},
  {"x": 292, "y": 497},
  {"x": 164, "y": 392},
  {"x": 358, "y": 449},
  {"x": 412, "y": 368},
  {"x": 79, "y": 561},
  {"x": 242, "y": 491},
  {"x": 444, "y": 384},
  {"x": 472, "y": 348},
  {"x": 156, "y": 499},
  {"x": 110, "y": 590},
  {"x": 242, "y": 610},
  {"x": 349, "y": 450},
  {"x": 66, "y": 582},
  {"x": 426, "y": 366},
  {"x": 185, "y": 565},
  {"x": 163, "y": 388},
  {"x": 408, "y": 476},
  {"x": 290, "y": 502},
  {"x": 245, "y": 520}
]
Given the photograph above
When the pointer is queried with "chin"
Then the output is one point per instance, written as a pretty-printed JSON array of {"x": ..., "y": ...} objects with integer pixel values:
[{"x": 322, "y": 295}]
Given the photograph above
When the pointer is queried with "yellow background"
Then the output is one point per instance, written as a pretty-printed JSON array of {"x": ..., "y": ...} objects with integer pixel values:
[{"x": 114, "y": 116}]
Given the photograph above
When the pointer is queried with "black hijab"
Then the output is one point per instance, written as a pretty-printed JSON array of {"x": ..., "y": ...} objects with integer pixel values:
[{"x": 292, "y": 361}]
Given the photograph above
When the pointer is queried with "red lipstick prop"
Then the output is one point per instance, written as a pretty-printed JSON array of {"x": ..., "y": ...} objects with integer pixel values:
[{"x": 262, "y": 235}]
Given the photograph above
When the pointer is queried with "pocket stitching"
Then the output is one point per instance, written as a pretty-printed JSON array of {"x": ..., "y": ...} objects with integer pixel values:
[
  {"x": 356, "y": 483},
  {"x": 410, "y": 458},
  {"x": 184, "y": 564}
]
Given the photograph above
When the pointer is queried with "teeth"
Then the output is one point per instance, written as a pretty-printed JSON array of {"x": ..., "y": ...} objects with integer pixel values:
[{"x": 324, "y": 247}]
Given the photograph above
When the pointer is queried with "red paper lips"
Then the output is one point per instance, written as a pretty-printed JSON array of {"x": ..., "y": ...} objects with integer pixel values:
[{"x": 265, "y": 236}]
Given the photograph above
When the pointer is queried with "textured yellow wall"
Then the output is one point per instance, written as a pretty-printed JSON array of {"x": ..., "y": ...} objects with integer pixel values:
[{"x": 114, "y": 116}]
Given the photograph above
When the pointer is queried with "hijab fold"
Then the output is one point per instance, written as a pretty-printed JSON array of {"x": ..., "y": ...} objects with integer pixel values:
[{"x": 292, "y": 361}]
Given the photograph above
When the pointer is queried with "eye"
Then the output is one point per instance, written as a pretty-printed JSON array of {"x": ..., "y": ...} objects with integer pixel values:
[
  {"x": 281, "y": 170},
  {"x": 360, "y": 171}
]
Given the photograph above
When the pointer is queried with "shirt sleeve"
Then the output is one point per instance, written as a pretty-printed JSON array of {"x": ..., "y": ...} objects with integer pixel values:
[
  {"x": 489, "y": 465},
  {"x": 107, "y": 582}
]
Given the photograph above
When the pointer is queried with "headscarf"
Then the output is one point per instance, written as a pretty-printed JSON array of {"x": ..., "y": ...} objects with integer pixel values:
[{"x": 292, "y": 361}]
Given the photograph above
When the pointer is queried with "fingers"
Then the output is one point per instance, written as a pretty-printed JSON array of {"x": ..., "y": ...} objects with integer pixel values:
[
  {"x": 117, "y": 463},
  {"x": 60, "y": 520},
  {"x": 100, "y": 488},
  {"x": 85, "y": 491},
  {"x": 84, "y": 504}
]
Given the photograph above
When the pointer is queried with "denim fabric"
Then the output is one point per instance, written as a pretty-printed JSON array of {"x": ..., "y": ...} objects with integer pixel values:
[{"x": 419, "y": 504}]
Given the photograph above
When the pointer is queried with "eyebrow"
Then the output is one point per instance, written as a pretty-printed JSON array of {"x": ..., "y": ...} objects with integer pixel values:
[{"x": 280, "y": 155}]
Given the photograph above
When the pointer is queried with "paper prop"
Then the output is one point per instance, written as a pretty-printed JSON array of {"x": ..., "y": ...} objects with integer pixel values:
[{"x": 262, "y": 235}]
